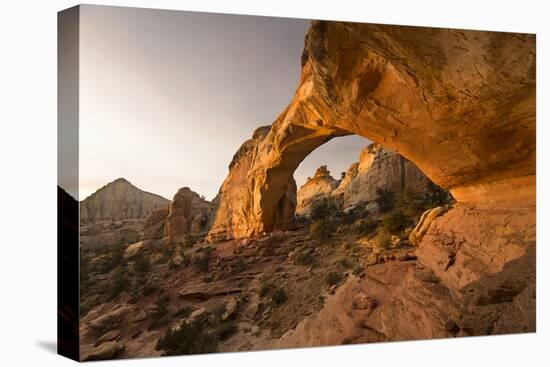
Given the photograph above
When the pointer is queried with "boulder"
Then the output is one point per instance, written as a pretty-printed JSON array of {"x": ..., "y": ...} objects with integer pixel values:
[
  {"x": 230, "y": 309},
  {"x": 364, "y": 302},
  {"x": 133, "y": 249}
]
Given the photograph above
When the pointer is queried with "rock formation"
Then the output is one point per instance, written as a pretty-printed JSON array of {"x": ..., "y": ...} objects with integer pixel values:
[
  {"x": 154, "y": 226},
  {"x": 458, "y": 104},
  {"x": 380, "y": 168},
  {"x": 119, "y": 200},
  {"x": 321, "y": 185},
  {"x": 377, "y": 168},
  {"x": 187, "y": 215},
  {"x": 237, "y": 206}
]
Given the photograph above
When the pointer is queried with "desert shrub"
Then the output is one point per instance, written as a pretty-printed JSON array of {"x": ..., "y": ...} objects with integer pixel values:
[
  {"x": 85, "y": 280},
  {"x": 436, "y": 196},
  {"x": 323, "y": 209},
  {"x": 183, "y": 312},
  {"x": 357, "y": 269},
  {"x": 410, "y": 204},
  {"x": 305, "y": 257},
  {"x": 385, "y": 199},
  {"x": 320, "y": 230},
  {"x": 141, "y": 263},
  {"x": 166, "y": 254},
  {"x": 395, "y": 222},
  {"x": 333, "y": 278},
  {"x": 150, "y": 289},
  {"x": 239, "y": 266},
  {"x": 279, "y": 296},
  {"x": 345, "y": 263},
  {"x": 189, "y": 240},
  {"x": 365, "y": 226},
  {"x": 300, "y": 219},
  {"x": 114, "y": 258},
  {"x": 172, "y": 265},
  {"x": 202, "y": 261},
  {"x": 192, "y": 338},
  {"x": 225, "y": 330},
  {"x": 159, "y": 314},
  {"x": 383, "y": 239},
  {"x": 120, "y": 283},
  {"x": 265, "y": 288}
]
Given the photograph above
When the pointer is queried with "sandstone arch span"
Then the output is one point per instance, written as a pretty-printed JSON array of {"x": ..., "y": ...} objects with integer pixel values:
[{"x": 459, "y": 104}]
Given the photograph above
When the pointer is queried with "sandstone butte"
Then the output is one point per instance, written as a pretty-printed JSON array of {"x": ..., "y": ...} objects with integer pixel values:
[{"x": 458, "y": 104}]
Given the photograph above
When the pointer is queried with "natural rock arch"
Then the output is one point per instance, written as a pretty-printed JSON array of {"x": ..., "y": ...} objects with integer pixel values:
[{"x": 459, "y": 104}]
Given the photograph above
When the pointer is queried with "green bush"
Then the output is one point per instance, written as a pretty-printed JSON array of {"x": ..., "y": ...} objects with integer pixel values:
[
  {"x": 115, "y": 255},
  {"x": 239, "y": 266},
  {"x": 167, "y": 252},
  {"x": 385, "y": 199},
  {"x": 396, "y": 221},
  {"x": 345, "y": 263},
  {"x": 192, "y": 338},
  {"x": 383, "y": 239},
  {"x": 225, "y": 330},
  {"x": 183, "y": 312},
  {"x": 279, "y": 296},
  {"x": 436, "y": 196},
  {"x": 365, "y": 226},
  {"x": 120, "y": 283},
  {"x": 323, "y": 209},
  {"x": 320, "y": 230},
  {"x": 149, "y": 289},
  {"x": 141, "y": 263},
  {"x": 305, "y": 257},
  {"x": 189, "y": 241},
  {"x": 333, "y": 278},
  {"x": 265, "y": 288},
  {"x": 159, "y": 315},
  {"x": 202, "y": 261}
]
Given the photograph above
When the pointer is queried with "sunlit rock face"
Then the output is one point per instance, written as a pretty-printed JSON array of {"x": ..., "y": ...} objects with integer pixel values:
[
  {"x": 320, "y": 186},
  {"x": 377, "y": 168},
  {"x": 458, "y": 104}
]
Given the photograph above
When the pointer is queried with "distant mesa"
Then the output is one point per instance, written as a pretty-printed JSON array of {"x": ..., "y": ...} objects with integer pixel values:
[{"x": 119, "y": 200}]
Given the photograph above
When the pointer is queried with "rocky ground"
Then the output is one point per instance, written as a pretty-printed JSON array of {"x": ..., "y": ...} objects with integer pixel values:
[
  {"x": 265, "y": 285},
  {"x": 287, "y": 289}
]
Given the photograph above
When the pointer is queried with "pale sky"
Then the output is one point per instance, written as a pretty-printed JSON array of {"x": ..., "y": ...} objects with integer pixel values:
[{"x": 167, "y": 97}]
